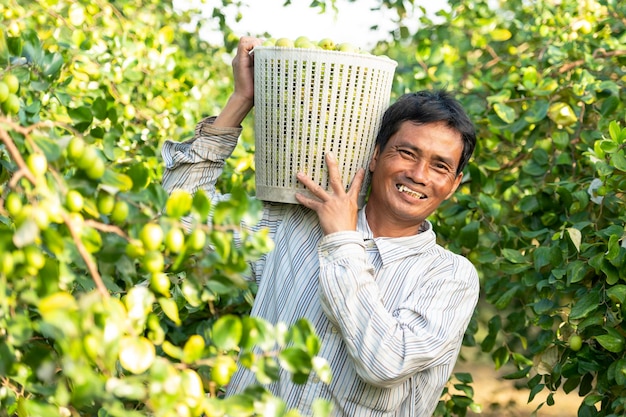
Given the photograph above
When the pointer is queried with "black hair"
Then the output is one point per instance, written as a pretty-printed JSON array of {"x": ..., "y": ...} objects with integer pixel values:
[{"x": 424, "y": 107}]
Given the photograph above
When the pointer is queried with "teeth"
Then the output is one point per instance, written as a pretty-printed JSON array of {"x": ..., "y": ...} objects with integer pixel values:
[{"x": 405, "y": 189}]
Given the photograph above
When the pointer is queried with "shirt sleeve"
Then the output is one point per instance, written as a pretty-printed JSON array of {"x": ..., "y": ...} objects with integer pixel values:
[
  {"x": 426, "y": 330},
  {"x": 198, "y": 162}
]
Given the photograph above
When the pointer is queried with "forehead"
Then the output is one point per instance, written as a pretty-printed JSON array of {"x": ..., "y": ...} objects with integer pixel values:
[{"x": 436, "y": 137}]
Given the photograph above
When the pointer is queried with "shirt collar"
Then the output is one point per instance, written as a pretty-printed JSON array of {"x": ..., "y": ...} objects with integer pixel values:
[{"x": 394, "y": 248}]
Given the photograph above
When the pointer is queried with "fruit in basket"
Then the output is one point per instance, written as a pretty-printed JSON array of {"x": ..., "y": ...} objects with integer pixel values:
[
  {"x": 346, "y": 47},
  {"x": 327, "y": 44},
  {"x": 269, "y": 42},
  {"x": 284, "y": 43},
  {"x": 303, "y": 42}
]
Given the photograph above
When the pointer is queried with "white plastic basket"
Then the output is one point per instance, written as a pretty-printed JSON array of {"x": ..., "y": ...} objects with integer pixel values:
[{"x": 308, "y": 102}]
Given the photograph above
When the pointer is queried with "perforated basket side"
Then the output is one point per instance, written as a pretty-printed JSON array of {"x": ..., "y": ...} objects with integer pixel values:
[{"x": 308, "y": 102}]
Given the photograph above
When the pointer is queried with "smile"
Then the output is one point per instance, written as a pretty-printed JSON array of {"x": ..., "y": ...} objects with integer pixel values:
[{"x": 407, "y": 190}]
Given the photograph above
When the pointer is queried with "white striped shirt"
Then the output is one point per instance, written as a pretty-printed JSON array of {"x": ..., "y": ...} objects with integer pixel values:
[{"x": 390, "y": 312}]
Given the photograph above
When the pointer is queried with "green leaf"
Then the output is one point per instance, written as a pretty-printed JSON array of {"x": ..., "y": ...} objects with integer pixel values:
[
  {"x": 500, "y": 35},
  {"x": 81, "y": 117},
  {"x": 585, "y": 305},
  {"x": 468, "y": 235},
  {"x": 613, "y": 341},
  {"x": 139, "y": 173},
  {"x": 504, "y": 112},
  {"x": 322, "y": 369},
  {"x": 201, "y": 205},
  {"x": 116, "y": 180},
  {"x": 52, "y": 64},
  {"x": 500, "y": 97},
  {"x": 513, "y": 256},
  {"x": 99, "y": 108},
  {"x": 537, "y": 112},
  {"x": 178, "y": 204},
  {"x": 50, "y": 147},
  {"x": 227, "y": 332},
  {"x": 617, "y": 293},
  {"x": 505, "y": 299},
  {"x": 618, "y": 160},
  {"x": 295, "y": 360},
  {"x": 136, "y": 354},
  {"x": 257, "y": 331},
  {"x": 169, "y": 307},
  {"x": 575, "y": 236}
]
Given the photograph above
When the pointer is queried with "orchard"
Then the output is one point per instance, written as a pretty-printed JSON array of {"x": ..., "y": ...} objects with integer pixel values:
[{"x": 117, "y": 299}]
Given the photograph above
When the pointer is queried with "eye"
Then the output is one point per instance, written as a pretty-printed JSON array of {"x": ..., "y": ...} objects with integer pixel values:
[
  {"x": 442, "y": 167},
  {"x": 405, "y": 153}
]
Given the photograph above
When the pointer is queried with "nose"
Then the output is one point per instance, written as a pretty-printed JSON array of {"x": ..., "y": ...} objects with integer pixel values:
[{"x": 418, "y": 171}]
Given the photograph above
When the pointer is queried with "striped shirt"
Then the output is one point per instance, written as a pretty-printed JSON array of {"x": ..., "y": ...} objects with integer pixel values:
[{"x": 390, "y": 312}]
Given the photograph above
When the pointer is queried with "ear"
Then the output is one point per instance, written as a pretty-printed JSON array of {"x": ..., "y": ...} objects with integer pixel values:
[
  {"x": 457, "y": 182},
  {"x": 374, "y": 160}
]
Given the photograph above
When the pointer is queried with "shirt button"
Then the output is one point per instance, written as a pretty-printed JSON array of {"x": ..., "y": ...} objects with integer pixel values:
[
  {"x": 334, "y": 330},
  {"x": 315, "y": 380}
]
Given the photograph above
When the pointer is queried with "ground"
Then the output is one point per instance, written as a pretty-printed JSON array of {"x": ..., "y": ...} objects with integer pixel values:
[{"x": 499, "y": 397}]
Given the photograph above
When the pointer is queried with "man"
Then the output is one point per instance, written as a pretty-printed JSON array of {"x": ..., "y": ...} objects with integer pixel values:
[{"x": 389, "y": 305}]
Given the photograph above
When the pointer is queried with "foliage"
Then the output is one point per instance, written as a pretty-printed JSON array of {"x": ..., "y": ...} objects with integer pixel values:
[
  {"x": 109, "y": 306},
  {"x": 105, "y": 309},
  {"x": 542, "y": 212}
]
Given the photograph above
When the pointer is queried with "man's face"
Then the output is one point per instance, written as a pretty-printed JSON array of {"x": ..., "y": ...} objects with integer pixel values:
[{"x": 412, "y": 176}]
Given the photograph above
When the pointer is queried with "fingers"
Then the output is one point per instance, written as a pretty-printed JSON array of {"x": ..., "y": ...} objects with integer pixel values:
[
  {"x": 334, "y": 178},
  {"x": 335, "y": 182},
  {"x": 357, "y": 184},
  {"x": 312, "y": 186},
  {"x": 247, "y": 43}
]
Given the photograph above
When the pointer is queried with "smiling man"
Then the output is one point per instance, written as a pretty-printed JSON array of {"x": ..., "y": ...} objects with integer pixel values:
[{"x": 389, "y": 304}]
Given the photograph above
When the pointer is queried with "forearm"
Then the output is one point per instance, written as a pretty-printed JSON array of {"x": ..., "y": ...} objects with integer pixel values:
[
  {"x": 235, "y": 111},
  {"x": 198, "y": 163}
]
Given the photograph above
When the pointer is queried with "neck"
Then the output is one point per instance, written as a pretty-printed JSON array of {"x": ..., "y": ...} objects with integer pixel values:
[{"x": 382, "y": 227}]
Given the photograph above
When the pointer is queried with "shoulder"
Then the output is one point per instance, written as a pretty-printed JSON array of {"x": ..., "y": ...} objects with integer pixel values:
[{"x": 459, "y": 265}]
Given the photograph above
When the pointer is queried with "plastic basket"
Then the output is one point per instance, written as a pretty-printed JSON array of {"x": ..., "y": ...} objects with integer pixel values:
[{"x": 308, "y": 102}]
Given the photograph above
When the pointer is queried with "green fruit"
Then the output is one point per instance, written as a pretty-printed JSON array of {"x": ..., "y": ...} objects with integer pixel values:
[
  {"x": 75, "y": 148},
  {"x": 153, "y": 261},
  {"x": 269, "y": 42},
  {"x": 88, "y": 158},
  {"x": 105, "y": 203},
  {"x": 134, "y": 249},
  {"x": 37, "y": 164},
  {"x": 96, "y": 170},
  {"x": 92, "y": 346},
  {"x": 575, "y": 342},
  {"x": 284, "y": 43},
  {"x": 129, "y": 112},
  {"x": 175, "y": 240},
  {"x": 4, "y": 92},
  {"x": 194, "y": 348},
  {"x": 151, "y": 235},
  {"x": 34, "y": 257},
  {"x": 347, "y": 47},
  {"x": 11, "y": 105},
  {"x": 196, "y": 240},
  {"x": 6, "y": 263},
  {"x": 327, "y": 44},
  {"x": 223, "y": 369},
  {"x": 160, "y": 283},
  {"x": 74, "y": 201},
  {"x": 40, "y": 215},
  {"x": 12, "y": 82},
  {"x": 120, "y": 212},
  {"x": 13, "y": 204},
  {"x": 303, "y": 42}
]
